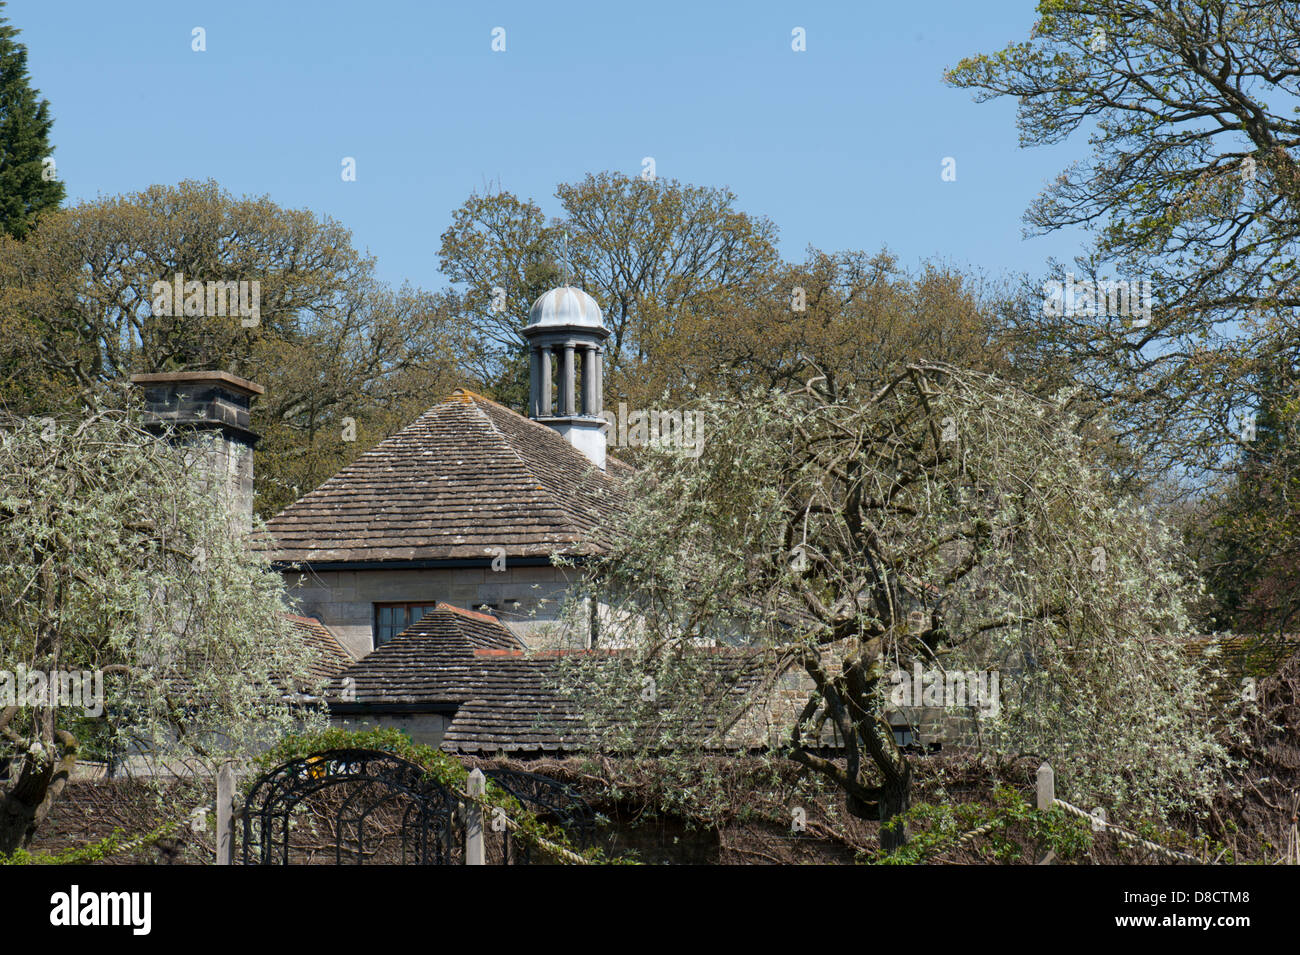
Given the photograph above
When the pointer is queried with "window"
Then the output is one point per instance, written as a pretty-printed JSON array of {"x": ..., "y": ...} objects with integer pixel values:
[{"x": 391, "y": 619}]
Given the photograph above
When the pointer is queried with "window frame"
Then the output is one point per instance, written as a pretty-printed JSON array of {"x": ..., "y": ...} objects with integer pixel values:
[{"x": 405, "y": 606}]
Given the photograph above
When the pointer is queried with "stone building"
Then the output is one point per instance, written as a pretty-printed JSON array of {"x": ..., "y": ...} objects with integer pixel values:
[
  {"x": 207, "y": 414},
  {"x": 466, "y": 505},
  {"x": 429, "y": 559},
  {"x": 466, "y": 682},
  {"x": 424, "y": 571}
]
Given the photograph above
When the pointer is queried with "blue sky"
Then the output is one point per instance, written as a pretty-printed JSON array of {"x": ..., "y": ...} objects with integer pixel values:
[{"x": 840, "y": 145}]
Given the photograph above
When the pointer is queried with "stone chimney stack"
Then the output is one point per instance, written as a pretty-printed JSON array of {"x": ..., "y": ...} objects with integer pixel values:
[
  {"x": 565, "y": 334},
  {"x": 209, "y": 411}
]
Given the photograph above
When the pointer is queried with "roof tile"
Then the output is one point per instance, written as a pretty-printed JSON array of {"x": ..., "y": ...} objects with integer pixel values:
[{"x": 466, "y": 477}]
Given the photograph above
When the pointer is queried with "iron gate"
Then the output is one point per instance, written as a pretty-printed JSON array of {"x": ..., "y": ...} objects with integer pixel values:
[
  {"x": 355, "y": 806},
  {"x": 351, "y": 806}
]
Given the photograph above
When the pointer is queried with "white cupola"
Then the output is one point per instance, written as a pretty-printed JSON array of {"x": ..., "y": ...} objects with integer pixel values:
[{"x": 565, "y": 334}]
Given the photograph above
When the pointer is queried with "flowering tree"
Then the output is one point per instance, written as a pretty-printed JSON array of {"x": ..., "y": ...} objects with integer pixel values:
[
  {"x": 945, "y": 517},
  {"x": 128, "y": 592}
]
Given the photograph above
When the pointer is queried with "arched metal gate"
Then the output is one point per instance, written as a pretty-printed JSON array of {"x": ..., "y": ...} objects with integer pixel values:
[
  {"x": 357, "y": 806},
  {"x": 350, "y": 806}
]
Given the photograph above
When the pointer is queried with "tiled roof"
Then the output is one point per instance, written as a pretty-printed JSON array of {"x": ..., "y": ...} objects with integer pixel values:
[
  {"x": 326, "y": 659},
  {"x": 329, "y": 659},
  {"x": 1229, "y": 659},
  {"x": 466, "y": 477},
  {"x": 503, "y": 697},
  {"x": 450, "y": 657},
  {"x": 432, "y": 661},
  {"x": 515, "y": 706}
]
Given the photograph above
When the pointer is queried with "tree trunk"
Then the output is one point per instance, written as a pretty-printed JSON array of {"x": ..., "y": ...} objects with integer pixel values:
[
  {"x": 37, "y": 784},
  {"x": 895, "y": 798},
  {"x": 19, "y": 808},
  {"x": 895, "y": 793},
  {"x": 865, "y": 732}
]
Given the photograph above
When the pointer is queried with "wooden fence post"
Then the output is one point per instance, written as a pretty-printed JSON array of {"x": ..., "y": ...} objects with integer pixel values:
[
  {"x": 225, "y": 814},
  {"x": 1046, "y": 787},
  {"x": 1046, "y": 800},
  {"x": 476, "y": 786}
]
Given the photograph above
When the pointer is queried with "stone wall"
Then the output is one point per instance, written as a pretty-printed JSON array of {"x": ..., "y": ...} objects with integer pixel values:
[
  {"x": 915, "y": 727},
  {"x": 226, "y": 467},
  {"x": 526, "y": 598}
]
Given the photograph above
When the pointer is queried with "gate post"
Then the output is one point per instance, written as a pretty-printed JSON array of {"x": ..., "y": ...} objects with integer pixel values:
[
  {"x": 476, "y": 787},
  {"x": 1046, "y": 791},
  {"x": 225, "y": 811},
  {"x": 1046, "y": 787}
]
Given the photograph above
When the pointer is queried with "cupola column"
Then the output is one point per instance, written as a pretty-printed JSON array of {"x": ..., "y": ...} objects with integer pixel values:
[
  {"x": 568, "y": 384},
  {"x": 590, "y": 376},
  {"x": 534, "y": 382},
  {"x": 545, "y": 381}
]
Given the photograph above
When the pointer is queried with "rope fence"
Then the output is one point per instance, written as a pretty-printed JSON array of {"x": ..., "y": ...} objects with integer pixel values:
[
  {"x": 1046, "y": 787},
  {"x": 476, "y": 802}
]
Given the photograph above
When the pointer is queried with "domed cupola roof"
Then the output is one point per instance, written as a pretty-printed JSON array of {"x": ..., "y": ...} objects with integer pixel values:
[
  {"x": 565, "y": 334},
  {"x": 565, "y": 307}
]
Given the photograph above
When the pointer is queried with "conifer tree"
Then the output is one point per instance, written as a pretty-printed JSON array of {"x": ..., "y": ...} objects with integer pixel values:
[{"x": 28, "y": 186}]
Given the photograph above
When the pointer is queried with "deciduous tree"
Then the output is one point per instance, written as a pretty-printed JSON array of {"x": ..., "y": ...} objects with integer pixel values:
[
  {"x": 118, "y": 562},
  {"x": 1192, "y": 183},
  {"x": 329, "y": 342},
  {"x": 648, "y": 251},
  {"x": 945, "y": 518}
]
